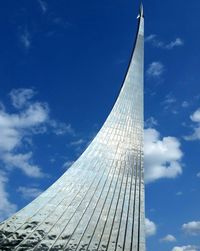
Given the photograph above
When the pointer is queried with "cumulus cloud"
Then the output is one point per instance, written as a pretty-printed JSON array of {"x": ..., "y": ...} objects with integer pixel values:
[
  {"x": 186, "y": 248},
  {"x": 163, "y": 45},
  {"x": 162, "y": 156},
  {"x": 168, "y": 238},
  {"x": 14, "y": 127},
  {"x": 150, "y": 227},
  {"x": 155, "y": 69},
  {"x": 195, "y": 117},
  {"x": 194, "y": 136},
  {"x": 7, "y": 208},
  {"x": 192, "y": 228},
  {"x": 29, "y": 192}
]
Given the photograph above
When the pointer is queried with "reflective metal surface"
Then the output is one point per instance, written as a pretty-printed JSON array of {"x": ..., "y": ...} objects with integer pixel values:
[{"x": 98, "y": 204}]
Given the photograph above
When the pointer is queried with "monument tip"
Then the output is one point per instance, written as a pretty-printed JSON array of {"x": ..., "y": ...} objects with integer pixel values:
[{"x": 141, "y": 10}]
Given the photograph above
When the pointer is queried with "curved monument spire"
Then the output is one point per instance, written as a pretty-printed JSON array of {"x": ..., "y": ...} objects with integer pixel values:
[{"x": 98, "y": 203}]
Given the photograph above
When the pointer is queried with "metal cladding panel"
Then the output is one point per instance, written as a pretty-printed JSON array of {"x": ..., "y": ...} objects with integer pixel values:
[{"x": 98, "y": 204}]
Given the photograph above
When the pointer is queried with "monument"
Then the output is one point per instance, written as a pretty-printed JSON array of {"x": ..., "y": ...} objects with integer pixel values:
[{"x": 98, "y": 203}]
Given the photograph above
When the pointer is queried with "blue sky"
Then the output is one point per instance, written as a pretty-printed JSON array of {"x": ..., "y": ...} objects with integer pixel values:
[{"x": 61, "y": 67}]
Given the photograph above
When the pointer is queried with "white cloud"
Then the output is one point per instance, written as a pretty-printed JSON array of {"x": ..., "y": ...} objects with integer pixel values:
[
  {"x": 13, "y": 130},
  {"x": 186, "y": 248},
  {"x": 29, "y": 192},
  {"x": 16, "y": 131},
  {"x": 7, "y": 208},
  {"x": 35, "y": 114},
  {"x": 155, "y": 69},
  {"x": 168, "y": 238},
  {"x": 192, "y": 228},
  {"x": 150, "y": 227},
  {"x": 195, "y": 135},
  {"x": 163, "y": 45},
  {"x": 179, "y": 193},
  {"x": 162, "y": 156},
  {"x": 195, "y": 117},
  {"x": 22, "y": 162},
  {"x": 31, "y": 118},
  {"x": 198, "y": 175}
]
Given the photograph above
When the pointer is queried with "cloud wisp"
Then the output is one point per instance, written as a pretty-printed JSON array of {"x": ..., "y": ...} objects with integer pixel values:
[
  {"x": 43, "y": 6},
  {"x": 186, "y": 248},
  {"x": 155, "y": 70},
  {"x": 170, "y": 103},
  {"x": 25, "y": 39},
  {"x": 153, "y": 39},
  {"x": 168, "y": 238},
  {"x": 21, "y": 97},
  {"x": 150, "y": 122},
  {"x": 185, "y": 104}
]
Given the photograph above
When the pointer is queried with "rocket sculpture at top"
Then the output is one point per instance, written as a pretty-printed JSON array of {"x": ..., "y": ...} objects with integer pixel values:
[{"x": 98, "y": 203}]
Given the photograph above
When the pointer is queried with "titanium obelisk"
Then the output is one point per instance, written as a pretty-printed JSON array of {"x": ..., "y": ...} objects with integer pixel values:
[{"x": 98, "y": 203}]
